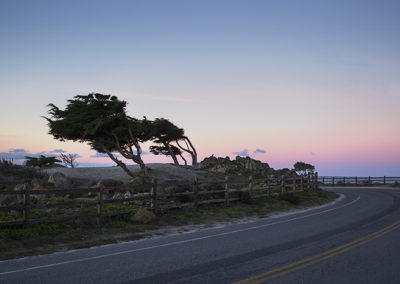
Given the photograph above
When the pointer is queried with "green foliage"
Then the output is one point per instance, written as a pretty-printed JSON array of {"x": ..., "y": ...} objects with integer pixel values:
[
  {"x": 102, "y": 122},
  {"x": 58, "y": 199},
  {"x": 41, "y": 162},
  {"x": 88, "y": 118},
  {"x": 39, "y": 214},
  {"x": 164, "y": 133},
  {"x": 290, "y": 197},
  {"x": 36, "y": 230},
  {"x": 163, "y": 150},
  {"x": 118, "y": 207},
  {"x": 303, "y": 168}
]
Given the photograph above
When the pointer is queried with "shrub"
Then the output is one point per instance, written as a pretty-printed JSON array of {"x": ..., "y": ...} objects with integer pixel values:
[{"x": 290, "y": 197}]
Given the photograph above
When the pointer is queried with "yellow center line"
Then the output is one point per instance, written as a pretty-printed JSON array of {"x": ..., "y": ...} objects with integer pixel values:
[{"x": 319, "y": 257}]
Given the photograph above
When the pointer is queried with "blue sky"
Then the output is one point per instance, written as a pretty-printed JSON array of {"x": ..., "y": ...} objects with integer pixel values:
[{"x": 288, "y": 77}]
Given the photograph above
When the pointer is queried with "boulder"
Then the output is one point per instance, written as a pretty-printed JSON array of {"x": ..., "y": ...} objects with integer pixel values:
[
  {"x": 127, "y": 194},
  {"x": 59, "y": 179},
  {"x": 143, "y": 216},
  {"x": 118, "y": 195}
]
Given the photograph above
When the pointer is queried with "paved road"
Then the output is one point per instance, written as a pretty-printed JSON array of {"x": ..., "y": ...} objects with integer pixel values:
[{"x": 355, "y": 240}]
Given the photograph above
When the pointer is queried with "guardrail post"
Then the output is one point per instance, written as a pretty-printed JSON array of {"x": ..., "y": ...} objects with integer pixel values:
[
  {"x": 153, "y": 202},
  {"x": 195, "y": 191},
  {"x": 226, "y": 194},
  {"x": 99, "y": 203},
  {"x": 27, "y": 205}
]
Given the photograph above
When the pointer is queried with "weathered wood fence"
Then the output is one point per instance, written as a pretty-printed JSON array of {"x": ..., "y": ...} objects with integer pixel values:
[
  {"x": 230, "y": 190},
  {"x": 358, "y": 180}
]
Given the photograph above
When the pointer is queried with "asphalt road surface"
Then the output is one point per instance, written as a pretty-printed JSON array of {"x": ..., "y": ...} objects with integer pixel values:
[{"x": 355, "y": 240}]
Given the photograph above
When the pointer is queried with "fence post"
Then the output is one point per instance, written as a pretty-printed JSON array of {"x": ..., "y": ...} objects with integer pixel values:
[
  {"x": 316, "y": 181},
  {"x": 153, "y": 202},
  {"x": 268, "y": 187},
  {"x": 344, "y": 180},
  {"x": 333, "y": 180},
  {"x": 384, "y": 180},
  {"x": 302, "y": 183},
  {"x": 356, "y": 181},
  {"x": 369, "y": 180},
  {"x": 226, "y": 195},
  {"x": 195, "y": 191},
  {"x": 294, "y": 184},
  {"x": 250, "y": 184},
  {"x": 99, "y": 203},
  {"x": 27, "y": 205},
  {"x": 283, "y": 185},
  {"x": 323, "y": 180}
]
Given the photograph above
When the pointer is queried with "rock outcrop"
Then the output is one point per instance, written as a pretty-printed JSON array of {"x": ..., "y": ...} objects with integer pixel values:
[
  {"x": 241, "y": 165},
  {"x": 59, "y": 179}
]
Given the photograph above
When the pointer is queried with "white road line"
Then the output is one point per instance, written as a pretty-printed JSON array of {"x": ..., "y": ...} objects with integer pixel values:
[{"x": 177, "y": 242}]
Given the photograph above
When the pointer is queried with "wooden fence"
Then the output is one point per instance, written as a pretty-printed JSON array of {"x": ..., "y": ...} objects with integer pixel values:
[
  {"x": 358, "y": 180},
  {"x": 228, "y": 191}
]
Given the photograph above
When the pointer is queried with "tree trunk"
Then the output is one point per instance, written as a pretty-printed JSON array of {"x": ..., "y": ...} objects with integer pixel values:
[
  {"x": 183, "y": 159},
  {"x": 119, "y": 163},
  {"x": 192, "y": 152},
  {"x": 194, "y": 161},
  {"x": 171, "y": 153},
  {"x": 128, "y": 154}
]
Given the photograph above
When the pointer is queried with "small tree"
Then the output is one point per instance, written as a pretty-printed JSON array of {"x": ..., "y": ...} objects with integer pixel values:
[
  {"x": 302, "y": 168},
  {"x": 165, "y": 132},
  {"x": 69, "y": 160},
  {"x": 41, "y": 162}
]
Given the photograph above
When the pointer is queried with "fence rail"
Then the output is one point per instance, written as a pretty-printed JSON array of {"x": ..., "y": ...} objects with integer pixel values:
[
  {"x": 156, "y": 200},
  {"x": 355, "y": 180}
]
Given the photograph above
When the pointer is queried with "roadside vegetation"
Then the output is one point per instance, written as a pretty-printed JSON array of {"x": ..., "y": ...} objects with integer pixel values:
[{"x": 44, "y": 238}]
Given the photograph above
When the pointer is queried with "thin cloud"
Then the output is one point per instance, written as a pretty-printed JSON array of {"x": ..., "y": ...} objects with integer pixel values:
[
  {"x": 313, "y": 154},
  {"x": 259, "y": 151},
  {"x": 58, "y": 151},
  {"x": 102, "y": 155},
  {"x": 17, "y": 151},
  {"x": 243, "y": 153}
]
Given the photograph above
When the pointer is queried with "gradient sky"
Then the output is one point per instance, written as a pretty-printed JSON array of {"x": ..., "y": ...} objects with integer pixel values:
[{"x": 314, "y": 81}]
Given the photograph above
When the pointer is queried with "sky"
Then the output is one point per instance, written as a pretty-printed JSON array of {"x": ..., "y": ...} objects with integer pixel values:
[{"x": 280, "y": 81}]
